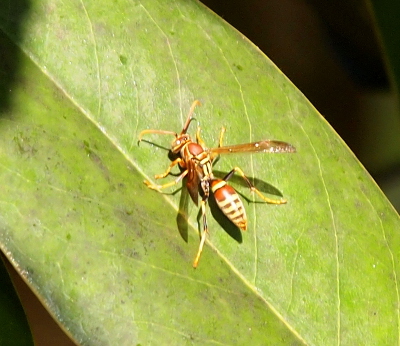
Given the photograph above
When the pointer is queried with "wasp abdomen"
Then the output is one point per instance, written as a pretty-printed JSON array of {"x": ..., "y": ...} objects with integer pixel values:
[{"x": 229, "y": 202}]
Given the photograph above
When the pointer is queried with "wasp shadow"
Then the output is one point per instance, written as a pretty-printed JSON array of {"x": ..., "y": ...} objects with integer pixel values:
[
  {"x": 258, "y": 183},
  {"x": 183, "y": 212}
]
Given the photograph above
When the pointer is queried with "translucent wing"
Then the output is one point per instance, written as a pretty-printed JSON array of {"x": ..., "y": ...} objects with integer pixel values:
[
  {"x": 267, "y": 146},
  {"x": 193, "y": 182}
]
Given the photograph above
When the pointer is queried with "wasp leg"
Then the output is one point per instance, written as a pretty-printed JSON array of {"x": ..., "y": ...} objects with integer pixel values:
[
  {"x": 171, "y": 183},
  {"x": 253, "y": 188},
  {"x": 173, "y": 163},
  {"x": 199, "y": 140},
  {"x": 215, "y": 156},
  {"x": 204, "y": 235},
  {"x": 221, "y": 136}
]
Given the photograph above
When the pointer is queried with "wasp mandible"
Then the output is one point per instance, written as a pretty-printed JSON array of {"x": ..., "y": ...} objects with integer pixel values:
[{"x": 196, "y": 160}]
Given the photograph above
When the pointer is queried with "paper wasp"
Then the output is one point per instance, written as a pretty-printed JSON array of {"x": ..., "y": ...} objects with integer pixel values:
[{"x": 195, "y": 161}]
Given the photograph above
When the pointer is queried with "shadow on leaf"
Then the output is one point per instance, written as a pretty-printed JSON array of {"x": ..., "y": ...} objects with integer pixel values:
[
  {"x": 258, "y": 183},
  {"x": 183, "y": 213}
]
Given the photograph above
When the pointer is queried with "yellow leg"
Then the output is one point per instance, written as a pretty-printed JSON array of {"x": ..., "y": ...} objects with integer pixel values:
[
  {"x": 173, "y": 163},
  {"x": 221, "y": 136},
  {"x": 171, "y": 183},
  {"x": 203, "y": 236},
  {"x": 199, "y": 140},
  {"x": 202, "y": 143},
  {"x": 253, "y": 188}
]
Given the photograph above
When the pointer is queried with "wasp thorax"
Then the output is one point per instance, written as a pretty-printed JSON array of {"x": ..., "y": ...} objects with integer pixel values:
[{"x": 195, "y": 149}]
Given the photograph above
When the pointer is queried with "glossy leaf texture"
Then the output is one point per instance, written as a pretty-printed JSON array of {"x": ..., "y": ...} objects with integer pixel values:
[{"x": 105, "y": 253}]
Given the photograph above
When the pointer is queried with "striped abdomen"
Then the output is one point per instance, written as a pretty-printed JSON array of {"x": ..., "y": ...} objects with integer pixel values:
[{"x": 229, "y": 203}]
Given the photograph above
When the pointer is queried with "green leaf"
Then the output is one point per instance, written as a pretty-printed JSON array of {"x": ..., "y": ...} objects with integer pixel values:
[{"x": 104, "y": 253}]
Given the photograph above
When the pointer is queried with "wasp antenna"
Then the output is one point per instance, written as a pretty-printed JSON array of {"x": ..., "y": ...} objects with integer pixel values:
[
  {"x": 162, "y": 132},
  {"x": 189, "y": 116}
]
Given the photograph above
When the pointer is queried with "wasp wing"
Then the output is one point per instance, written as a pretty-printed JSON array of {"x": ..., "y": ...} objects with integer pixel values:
[
  {"x": 193, "y": 182},
  {"x": 266, "y": 146}
]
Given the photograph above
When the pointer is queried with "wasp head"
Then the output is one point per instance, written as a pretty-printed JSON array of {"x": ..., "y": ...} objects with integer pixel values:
[{"x": 179, "y": 142}]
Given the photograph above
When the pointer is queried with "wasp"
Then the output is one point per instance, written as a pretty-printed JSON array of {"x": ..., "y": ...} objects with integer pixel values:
[{"x": 196, "y": 163}]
